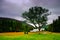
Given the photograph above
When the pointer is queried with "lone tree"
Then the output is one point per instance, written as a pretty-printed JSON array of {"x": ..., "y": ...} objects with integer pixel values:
[{"x": 36, "y": 15}]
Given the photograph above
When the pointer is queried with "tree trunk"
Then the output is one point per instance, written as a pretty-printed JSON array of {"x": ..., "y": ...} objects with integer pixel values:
[{"x": 25, "y": 32}]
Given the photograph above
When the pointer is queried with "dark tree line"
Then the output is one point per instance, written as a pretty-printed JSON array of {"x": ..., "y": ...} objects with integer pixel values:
[
  {"x": 11, "y": 25},
  {"x": 55, "y": 26}
]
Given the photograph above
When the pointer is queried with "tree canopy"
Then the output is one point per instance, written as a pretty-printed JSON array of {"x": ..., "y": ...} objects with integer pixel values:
[{"x": 36, "y": 15}]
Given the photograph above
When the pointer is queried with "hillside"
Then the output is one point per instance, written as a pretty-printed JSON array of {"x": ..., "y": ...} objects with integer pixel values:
[{"x": 11, "y": 25}]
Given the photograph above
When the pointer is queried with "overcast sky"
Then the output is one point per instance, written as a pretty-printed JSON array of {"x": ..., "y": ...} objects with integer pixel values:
[{"x": 15, "y": 8}]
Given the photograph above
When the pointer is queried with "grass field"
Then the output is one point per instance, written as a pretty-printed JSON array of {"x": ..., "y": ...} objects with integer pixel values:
[{"x": 30, "y": 36}]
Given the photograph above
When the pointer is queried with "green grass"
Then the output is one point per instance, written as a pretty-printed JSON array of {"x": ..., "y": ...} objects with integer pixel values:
[{"x": 33, "y": 37}]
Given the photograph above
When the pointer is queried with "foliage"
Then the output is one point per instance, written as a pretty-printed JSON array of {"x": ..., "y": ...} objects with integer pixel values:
[
  {"x": 36, "y": 15},
  {"x": 55, "y": 26},
  {"x": 11, "y": 25},
  {"x": 27, "y": 27}
]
